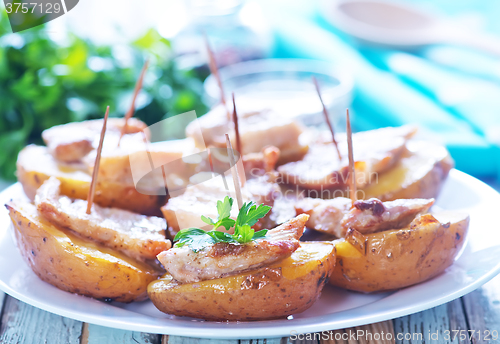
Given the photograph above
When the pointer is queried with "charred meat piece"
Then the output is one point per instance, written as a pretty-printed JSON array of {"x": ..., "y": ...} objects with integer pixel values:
[
  {"x": 335, "y": 216},
  {"x": 138, "y": 236},
  {"x": 223, "y": 259},
  {"x": 71, "y": 142},
  {"x": 258, "y": 129},
  {"x": 325, "y": 215},
  {"x": 136, "y": 159},
  {"x": 258, "y": 164},
  {"x": 183, "y": 211},
  {"x": 372, "y": 215},
  {"x": 375, "y": 152}
]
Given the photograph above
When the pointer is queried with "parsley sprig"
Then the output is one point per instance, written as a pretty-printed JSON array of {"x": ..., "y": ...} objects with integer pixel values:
[{"x": 249, "y": 214}]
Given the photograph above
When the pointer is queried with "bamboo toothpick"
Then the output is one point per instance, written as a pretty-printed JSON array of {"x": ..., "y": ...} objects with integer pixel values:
[
  {"x": 145, "y": 140},
  {"x": 352, "y": 172},
  {"x": 90, "y": 196},
  {"x": 210, "y": 160},
  {"x": 234, "y": 172},
  {"x": 236, "y": 129},
  {"x": 212, "y": 64},
  {"x": 327, "y": 118},
  {"x": 151, "y": 164},
  {"x": 131, "y": 110},
  {"x": 239, "y": 146}
]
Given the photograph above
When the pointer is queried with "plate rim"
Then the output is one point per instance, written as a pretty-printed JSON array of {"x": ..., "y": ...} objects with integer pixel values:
[{"x": 216, "y": 330}]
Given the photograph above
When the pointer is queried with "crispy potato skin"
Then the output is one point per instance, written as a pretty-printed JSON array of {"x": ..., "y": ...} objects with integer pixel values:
[
  {"x": 285, "y": 288},
  {"x": 35, "y": 165},
  {"x": 75, "y": 265},
  {"x": 419, "y": 174},
  {"x": 395, "y": 259}
]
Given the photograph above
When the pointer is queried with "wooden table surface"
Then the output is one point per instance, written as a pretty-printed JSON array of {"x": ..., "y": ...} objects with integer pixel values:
[
  {"x": 474, "y": 318},
  {"x": 473, "y": 315}
]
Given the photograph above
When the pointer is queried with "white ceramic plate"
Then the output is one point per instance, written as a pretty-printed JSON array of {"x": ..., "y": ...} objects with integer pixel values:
[{"x": 335, "y": 309}]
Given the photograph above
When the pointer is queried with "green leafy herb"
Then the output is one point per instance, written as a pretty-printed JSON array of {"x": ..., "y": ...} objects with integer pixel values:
[
  {"x": 224, "y": 210},
  {"x": 197, "y": 239},
  {"x": 46, "y": 82},
  {"x": 249, "y": 214}
]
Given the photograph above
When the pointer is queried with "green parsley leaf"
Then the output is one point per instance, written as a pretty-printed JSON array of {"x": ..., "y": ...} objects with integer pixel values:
[
  {"x": 187, "y": 233},
  {"x": 243, "y": 234},
  {"x": 250, "y": 213},
  {"x": 260, "y": 234},
  {"x": 227, "y": 223},
  {"x": 197, "y": 239},
  {"x": 224, "y": 208},
  {"x": 207, "y": 220},
  {"x": 220, "y": 236},
  {"x": 224, "y": 211}
]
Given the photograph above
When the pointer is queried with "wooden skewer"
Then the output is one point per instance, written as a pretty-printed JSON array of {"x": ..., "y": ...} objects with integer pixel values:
[
  {"x": 210, "y": 160},
  {"x": 239, "y": 147},
  {"x": 327, "y": 118},
  {"x": 145, "y": 140},
  {"x": 90, "y": 196},
  {"x": 131, "y": 110},
  {"x": 352, "y": 172},
  {"x": 234, "y": 172},
  {"x": 151, "y": 165},
  {"x": 236, "y": 128},
  {"x": 212, "y": 64}
]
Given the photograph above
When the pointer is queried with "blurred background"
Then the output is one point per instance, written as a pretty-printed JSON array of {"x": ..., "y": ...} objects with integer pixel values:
[{"x": 435, "y": 64}]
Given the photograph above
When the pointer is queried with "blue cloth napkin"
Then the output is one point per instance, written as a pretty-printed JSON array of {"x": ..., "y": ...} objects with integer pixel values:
[{"x": 395, "y": 88}]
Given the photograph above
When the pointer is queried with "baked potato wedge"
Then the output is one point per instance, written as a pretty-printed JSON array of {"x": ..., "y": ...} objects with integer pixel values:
[
  {"x": 288, "y": 287},
  {"x": 76, "y": 265},
  {"x": 419, "y": 174},
  {"x": 35, "y": 165},
  {"x": 395, "y": 259}
]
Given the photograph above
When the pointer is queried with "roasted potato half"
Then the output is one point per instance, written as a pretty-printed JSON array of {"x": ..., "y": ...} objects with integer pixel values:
[
  {"x": 77, "y": 265},
  {"x": 419, "y": 174},
  {"x": 395, "y": 259},
  {"x": 288, "y": 287},
  {"x": 35, "y": 165}
]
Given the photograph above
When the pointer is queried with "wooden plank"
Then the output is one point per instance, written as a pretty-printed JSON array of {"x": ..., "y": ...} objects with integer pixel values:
[
  {"x": 22, "y": 323},
  {"x": 94, "y": 334},
  {"x": 482, "y": 309},
  {"x": 303, "y": 338},
  {"x": 2, "y": 299},
  {"x": 382, "y": 332},
  {"x": 189, "y": 340},
  {"x": 435, "y": 326},
  {"x": 264, "y": 341}
]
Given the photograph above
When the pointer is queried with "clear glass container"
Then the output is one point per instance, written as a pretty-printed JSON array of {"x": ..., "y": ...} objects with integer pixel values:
[
  {"x": 286, "y": 85},
  {"x": 234, "y": 28}
]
